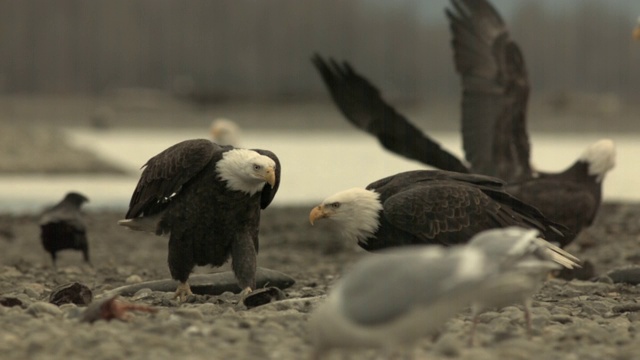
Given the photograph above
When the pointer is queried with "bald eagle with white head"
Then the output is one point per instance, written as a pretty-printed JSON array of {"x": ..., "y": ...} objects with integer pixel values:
[
  {"x": 225, "y": 132},
  {"x": 495, "y": 94},
  {"x": 208, "y": 199},
  {"x": 429, "y": 207}
]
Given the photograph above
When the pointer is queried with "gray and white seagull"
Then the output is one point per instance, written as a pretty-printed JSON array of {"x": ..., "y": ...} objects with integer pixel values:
[
  {"x": 518, "y": 253},
  {"x": 392, "y": 299}
]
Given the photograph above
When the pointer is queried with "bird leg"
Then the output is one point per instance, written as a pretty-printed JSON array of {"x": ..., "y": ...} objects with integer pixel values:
[
  {"x": 475, "y": 312},
  {"x": 182, "y": 291},
  {"x": 527, "y": 317},
  {"x": 244, "y": 264}
]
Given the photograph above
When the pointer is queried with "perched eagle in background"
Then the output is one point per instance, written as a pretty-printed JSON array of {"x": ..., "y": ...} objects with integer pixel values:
[
  {"x": 636, "y": 30},
  {"x": 494, "y": 132},
  {"x": 429, "y": 207},
  {"x": 224, "y": 132},
  {"x": 62, "y": 227},
  {"x": 208, "y": 199}
]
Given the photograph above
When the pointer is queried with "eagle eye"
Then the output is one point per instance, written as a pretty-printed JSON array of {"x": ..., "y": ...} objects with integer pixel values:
[
  {"x": 256, "y": 167},
  {"x": 335, "y": 205}
]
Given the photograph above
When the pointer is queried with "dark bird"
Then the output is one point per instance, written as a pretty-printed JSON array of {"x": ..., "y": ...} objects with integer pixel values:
[
  {"x": 494, "y": 133},
  {"x": 62, "y": 227},
  {"x": 208, "y": 199},
  {"x": 428, "y": 207}
]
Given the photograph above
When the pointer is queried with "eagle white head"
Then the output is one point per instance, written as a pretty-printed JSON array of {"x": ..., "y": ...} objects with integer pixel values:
[
  {"x": 246, "y": 170},
  {"x": 224, "y": 132},
  {"x": 356, "y": 211},
  {"x": 601, "y": 157}
]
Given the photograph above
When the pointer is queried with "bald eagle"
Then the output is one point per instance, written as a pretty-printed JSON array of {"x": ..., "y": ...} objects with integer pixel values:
[
  {"x": 494, "y": 132},
  {"x": 62, "y": 226},
  {"x": 208, "y": 199},
  {"x": 428, "y": 207},
  {"x": 224, "y": 132}
]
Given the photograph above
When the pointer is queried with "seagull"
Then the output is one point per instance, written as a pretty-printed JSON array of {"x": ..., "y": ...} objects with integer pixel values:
[
  {"x": 397, "y": 296},
  {"x": 518, "y": 253}
]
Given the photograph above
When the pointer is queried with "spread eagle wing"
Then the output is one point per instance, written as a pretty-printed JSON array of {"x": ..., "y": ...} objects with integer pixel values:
[
  {"x": 360, "y": 102},
  {"x": 165, "y": 174},
  {"x": 268, "y": 193},
  {"x": 495, "y": 91}
]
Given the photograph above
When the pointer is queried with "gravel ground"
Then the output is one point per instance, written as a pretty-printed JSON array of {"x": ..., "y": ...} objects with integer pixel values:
[{"x": 571, "y": 320}]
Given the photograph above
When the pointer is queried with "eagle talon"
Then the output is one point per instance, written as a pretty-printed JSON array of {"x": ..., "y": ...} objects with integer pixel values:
[
  {"x": 182, "y": 292},
  {"x": 246, "y": 291}
]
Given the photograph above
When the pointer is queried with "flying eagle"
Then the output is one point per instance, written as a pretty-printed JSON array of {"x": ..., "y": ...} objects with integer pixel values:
[
  {"x": 494, "y": 133},
  {"x": 429, "y": 207},
  {"x": 62, "y": 226},
  {"x": 208, "y": 199}
]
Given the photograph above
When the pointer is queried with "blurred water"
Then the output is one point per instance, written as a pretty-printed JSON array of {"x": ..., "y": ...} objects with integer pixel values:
[{"x": 315, "y": 164}]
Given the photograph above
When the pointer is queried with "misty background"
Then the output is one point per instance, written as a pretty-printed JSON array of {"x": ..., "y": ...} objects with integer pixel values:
[
  {"x": 248, "y": 49},
  {"x": 90, "y": 90}
]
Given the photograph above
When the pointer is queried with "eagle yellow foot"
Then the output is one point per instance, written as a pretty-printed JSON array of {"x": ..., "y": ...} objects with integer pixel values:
[
  {"x": 246, "y": 291},
  {"x": 182, "y": 291}
]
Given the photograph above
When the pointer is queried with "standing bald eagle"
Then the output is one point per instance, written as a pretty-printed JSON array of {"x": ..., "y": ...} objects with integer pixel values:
[
  {"x": 428, "y": 207},
  {"x": 494, "y": 114},
  {"x": 62, "y": 227},
  {"x": 208, "y": 199}
]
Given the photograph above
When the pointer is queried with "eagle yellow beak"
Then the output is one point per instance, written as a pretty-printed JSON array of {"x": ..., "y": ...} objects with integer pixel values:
[
  {"x": 270, "y": 177},
  {"x": 317, "y": 213},
  {"x": 636, "y": 33}
]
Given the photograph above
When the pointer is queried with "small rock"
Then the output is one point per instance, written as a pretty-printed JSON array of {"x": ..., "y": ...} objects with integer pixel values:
[
  {"x": 133, "y": 279},
  {"x": 263, "y": 296},
  {"x": 8, "y": 301},
  {"x": 562, "y": 319},
  {"x": 35, "y": 290},
  {"x": 141, "y": 294},
  {"x": 41, "y": 307},
  {"x": 189, "y": 313},
  {"x": 75, "y": 293},
  {"x": 448, "y": 345},
  {"x": 628, "y": 275},
  {"x": 9, "y": 272},
  {"x": 630, "y": 307}
]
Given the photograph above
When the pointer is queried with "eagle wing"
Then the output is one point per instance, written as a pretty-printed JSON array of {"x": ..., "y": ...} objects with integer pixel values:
[
  {"x": 430, "y": 203},
  {"x": 165, "y": 174},
  {"x": 268, "y": 193},
  {"x": 495, "y": 91},
  {"x": 360, "y": 102},
  {"x": 430, "y": 209}
]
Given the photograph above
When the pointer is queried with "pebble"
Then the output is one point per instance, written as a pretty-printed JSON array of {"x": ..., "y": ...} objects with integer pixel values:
[
  {"x": 448, "y": 345},
  {"x": 41, "y": 307},
  {"x": 189, "y": 313},
  {"x": 133, "y": 279},
  {"x": 9, "y": 272}
]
